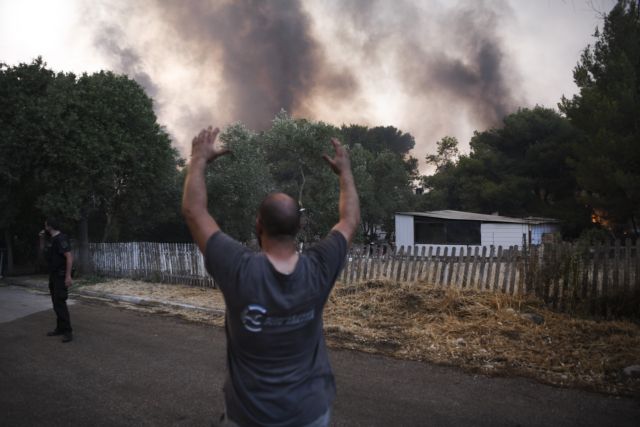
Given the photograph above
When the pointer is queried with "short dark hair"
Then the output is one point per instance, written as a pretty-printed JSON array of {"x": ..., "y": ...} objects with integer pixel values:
[
  {"x": 279, "y": 215},
  {"x": 53, "y": 222}
]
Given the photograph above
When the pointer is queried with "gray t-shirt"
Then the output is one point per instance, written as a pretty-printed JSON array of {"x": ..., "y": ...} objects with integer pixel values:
[{"x": 279, "y": 372}]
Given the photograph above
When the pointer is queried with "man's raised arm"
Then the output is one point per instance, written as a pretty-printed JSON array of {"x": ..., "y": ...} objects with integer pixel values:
[
  {"x": 194, "y": 198},
  {"x": 349, "y": 203}
]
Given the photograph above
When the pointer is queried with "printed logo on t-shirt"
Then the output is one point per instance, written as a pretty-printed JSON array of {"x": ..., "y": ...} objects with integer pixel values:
[{"x": 254, "y": 318}]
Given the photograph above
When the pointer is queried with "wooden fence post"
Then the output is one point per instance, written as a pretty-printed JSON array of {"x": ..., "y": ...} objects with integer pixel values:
[
  {"x": 443, "y": 267},
  {"x": 466, "y": 281},
  {"x": 474, "y": 265},
  {"x": 419, "y": 263},
  {"x": 498, "y": 268},
  {"x": 605, "y": 279},
  {"x": 428, "y": 265},
  {"x": 409, "y": 260},
  {"x": 485, "y": 268},
  {"x": 378, "y": 264},
  {"x": 514, "y": 270},
  {"x": 597, "y": 256},
  {"x": 625, "y": 276},
  {"x": 586, "y": 265}
]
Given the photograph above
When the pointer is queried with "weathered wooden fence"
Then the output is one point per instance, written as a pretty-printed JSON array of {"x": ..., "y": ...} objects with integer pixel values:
[
  {"x": 563, "y": 275},
  {"x": 161, "y": 262},
  {"x": 604, "y": 277}
]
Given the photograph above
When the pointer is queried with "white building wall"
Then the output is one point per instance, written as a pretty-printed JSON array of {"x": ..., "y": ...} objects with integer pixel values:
[
  {"x": 502, "y": 234},
  {"x": 404, "y": 230},
  {"x": 491, "y": 234}
]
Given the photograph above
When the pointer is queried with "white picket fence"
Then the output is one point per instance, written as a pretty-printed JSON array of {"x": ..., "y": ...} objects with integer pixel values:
[
  {"x": 162, "y": 262},
  {"x": 562, "y": 274}
]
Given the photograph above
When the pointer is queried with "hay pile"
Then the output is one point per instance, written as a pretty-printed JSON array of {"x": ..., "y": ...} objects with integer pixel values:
[
  {"x": 480, "y": 332},
  {"x": 483, "y": 332}
]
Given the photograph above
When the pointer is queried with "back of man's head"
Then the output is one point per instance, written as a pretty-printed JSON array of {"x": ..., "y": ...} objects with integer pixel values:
[
  {"x": 279, "y": 216},
  {"x": 53, "y": 222}
]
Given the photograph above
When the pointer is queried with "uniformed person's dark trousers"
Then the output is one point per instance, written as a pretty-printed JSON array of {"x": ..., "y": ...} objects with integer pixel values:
[{"x": 59, "y": 296}]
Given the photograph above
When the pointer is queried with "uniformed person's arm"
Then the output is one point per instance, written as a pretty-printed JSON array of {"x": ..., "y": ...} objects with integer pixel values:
[
  {"x": 349, "y": 203},
  {"x": 194, "y": 198},
  {"x": 68, "y": 266}
]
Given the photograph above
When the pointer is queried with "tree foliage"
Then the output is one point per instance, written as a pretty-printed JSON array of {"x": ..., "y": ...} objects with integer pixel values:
[
  {"x": 607, "y": 111},
  {"x": 288, "y": 157},
  {"x": 521, "y": 169},
  {"x": 446, "y": 155},
  {"x": 237, "y": 183},
  {"x": 294, "y": 149},
  {"x": 125, "y": 167},
  {"x": 379, "y": 138},
  {"x": 80, "y": 147}
]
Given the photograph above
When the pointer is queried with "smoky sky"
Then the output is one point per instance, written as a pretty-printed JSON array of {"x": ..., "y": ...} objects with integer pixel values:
[
  {"x": 126, "y": 60},
  {"x": 258, "y": 57},
  {"x": 476, "y": 74},
  {"x": 269, "y": 58},
  {"x": 455, "y": 54}
]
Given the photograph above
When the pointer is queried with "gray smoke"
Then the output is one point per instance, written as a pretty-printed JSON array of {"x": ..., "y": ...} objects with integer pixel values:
[
  {"x": 449, "y": 62},
  {"x": 454, "y": 55},
  {"x": 126, "y": 60},
  {"x": 269, "y": 58}
]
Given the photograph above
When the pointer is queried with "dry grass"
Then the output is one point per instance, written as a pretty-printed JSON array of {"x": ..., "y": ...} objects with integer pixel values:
[
  {"x": 198, "y": 296},
  {"x": 480, "y": 332},
  {"x": 207, "y": 298},
  {"x": 484, "y": 332}
]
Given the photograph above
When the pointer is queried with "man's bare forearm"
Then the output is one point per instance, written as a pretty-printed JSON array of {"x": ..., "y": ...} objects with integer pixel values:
[
  {"x": 194, "y": 204},
  {"x": 194, "y": 198},
  {"x": 349, "y": 203}
]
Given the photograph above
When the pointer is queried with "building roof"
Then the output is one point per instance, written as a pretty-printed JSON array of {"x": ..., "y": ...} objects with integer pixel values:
[{"x": 470, "y": 216}]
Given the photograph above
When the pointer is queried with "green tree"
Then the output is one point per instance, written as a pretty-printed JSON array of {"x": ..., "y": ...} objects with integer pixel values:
[
  {"x": 521, "y": 169},
  {"x": 294, "y": 149},
  {"x": 442, "y": 187},
  {"x": 238, "y": 182},
  {"x": 385, "y": 180},
  {"x": 393, "y": 184},
  {"x": 607, "y": 110},
  {"x": 383, "y": 175},
  {"x": 28, "y": 114},
  {"x": 446, "y": 153},
  {"x": 379, "y": 138},
  {"x": 116, "y": 164},
  {"x": 80, "y": 148}
]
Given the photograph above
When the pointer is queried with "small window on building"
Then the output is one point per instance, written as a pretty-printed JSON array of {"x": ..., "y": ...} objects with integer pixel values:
[
  {"x": 434, "y": 233},
  {"x": 442, "y": 232}
]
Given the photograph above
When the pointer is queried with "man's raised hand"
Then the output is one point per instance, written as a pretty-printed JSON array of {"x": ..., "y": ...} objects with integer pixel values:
[
  {"x": 203, "y": 146},
  {"x": 340, "y": 161}
]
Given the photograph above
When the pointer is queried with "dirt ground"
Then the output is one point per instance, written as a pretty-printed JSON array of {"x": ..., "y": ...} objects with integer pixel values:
[{"x": 487, "y": 333}]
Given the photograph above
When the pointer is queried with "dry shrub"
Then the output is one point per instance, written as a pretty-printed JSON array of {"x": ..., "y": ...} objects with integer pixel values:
[{"x": 483, "y": 332}]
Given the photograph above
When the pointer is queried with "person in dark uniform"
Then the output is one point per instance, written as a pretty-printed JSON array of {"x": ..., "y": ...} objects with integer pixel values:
[
  {"x": 278, "y": 366},
  {"x": 60, "y": 263}
]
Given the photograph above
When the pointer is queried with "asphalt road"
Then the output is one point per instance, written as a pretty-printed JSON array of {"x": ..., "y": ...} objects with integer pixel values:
[{"x": 129, "y": 368}]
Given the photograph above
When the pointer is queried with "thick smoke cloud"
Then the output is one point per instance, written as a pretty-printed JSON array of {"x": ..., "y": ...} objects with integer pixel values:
[
  {"x": 269, "y": 59},
  {"x": 453, "y": 56},
  {"x": 474, "y": 72},
  {"x": 124, "y": 59},
  {"x": 445, "y": 67}
]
